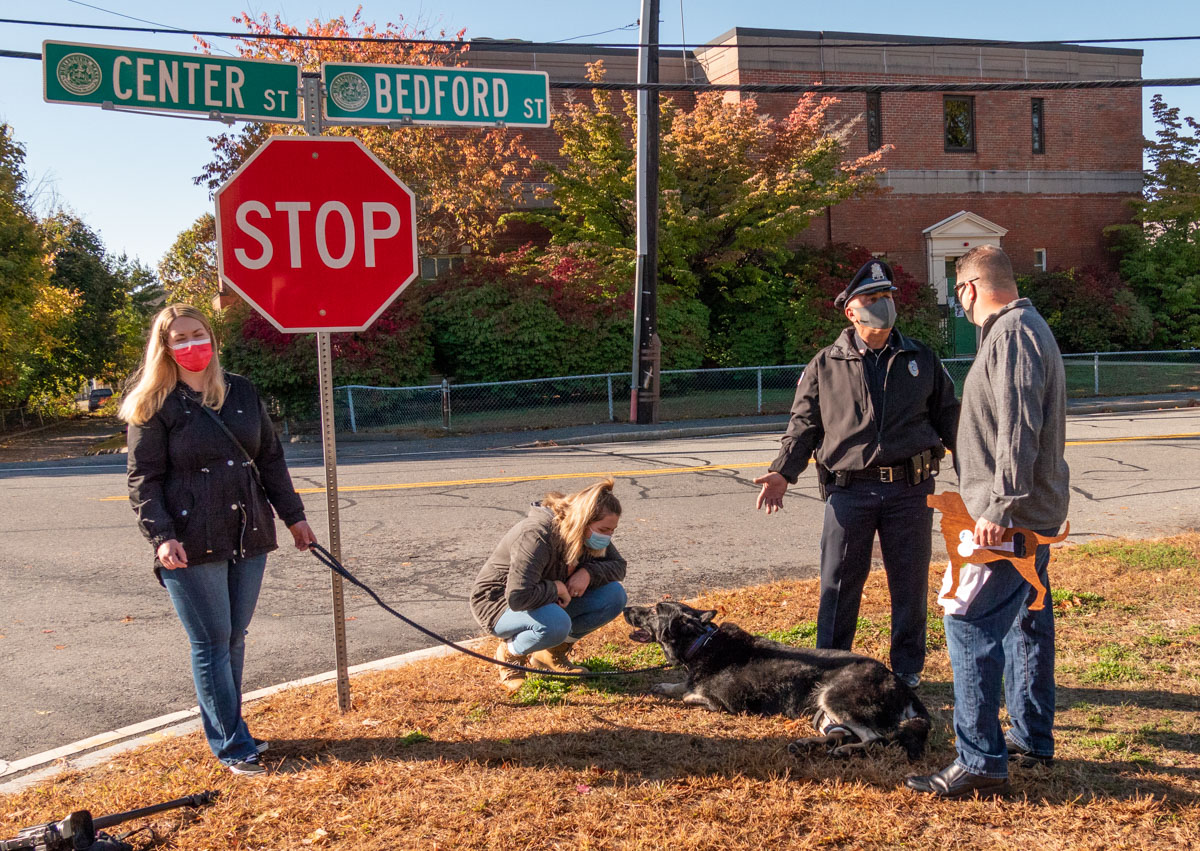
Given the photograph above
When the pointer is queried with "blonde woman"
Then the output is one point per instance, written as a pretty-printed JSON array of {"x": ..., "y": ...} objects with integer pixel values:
[
  {"x": 552, "y": 579},
  {"x": 205, "y": 469}
]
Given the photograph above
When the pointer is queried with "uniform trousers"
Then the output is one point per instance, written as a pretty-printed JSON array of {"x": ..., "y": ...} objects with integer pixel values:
[{"x": 854, "y": 514}]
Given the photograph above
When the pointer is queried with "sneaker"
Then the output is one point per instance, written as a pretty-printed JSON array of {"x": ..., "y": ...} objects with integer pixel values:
[
  {"x": 910, "y": 680},
  {"x": 1022, "y": 756},
  {"x": 261, "y": 745},
  {"x": 249, "y": 767}
]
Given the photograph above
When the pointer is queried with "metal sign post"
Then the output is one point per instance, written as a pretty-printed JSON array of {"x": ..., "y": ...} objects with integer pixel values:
[{"x": 312, "y": 126}]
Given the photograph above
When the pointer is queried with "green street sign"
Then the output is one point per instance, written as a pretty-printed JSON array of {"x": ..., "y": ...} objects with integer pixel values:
[
  {"x": 158, "y": 81},
  {"x": 424, "y": 94}
]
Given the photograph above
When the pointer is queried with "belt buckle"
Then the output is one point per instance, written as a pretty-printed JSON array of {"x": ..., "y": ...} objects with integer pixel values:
[{"x": 886, "y": 475}]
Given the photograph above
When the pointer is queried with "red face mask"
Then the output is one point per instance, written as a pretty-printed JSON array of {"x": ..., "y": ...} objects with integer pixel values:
[{"x": 193, "y": 355}]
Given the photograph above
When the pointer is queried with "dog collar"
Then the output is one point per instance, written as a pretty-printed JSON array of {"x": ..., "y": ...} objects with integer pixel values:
[{"x": 699, "y": 643}]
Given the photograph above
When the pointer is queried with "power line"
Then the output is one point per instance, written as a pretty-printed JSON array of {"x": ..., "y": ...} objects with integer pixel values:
[
  {"x": 589, "y": 35},
  {"x": 842, "y": 88},
  {"x": 836, "y": 40},
  {"x": 120, "y": 14}
]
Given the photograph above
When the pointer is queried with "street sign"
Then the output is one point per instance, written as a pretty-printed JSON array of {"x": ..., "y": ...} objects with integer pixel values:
[
  {"x": 424, "y": 94},
  {"x": 158, "y": 81},
  {"x": 316, "y": 233}
]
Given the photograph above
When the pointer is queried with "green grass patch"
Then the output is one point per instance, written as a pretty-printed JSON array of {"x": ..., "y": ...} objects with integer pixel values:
[
  {"x": 1144, "y": 555},
  {"x": 801, "y": 635},
  {"x": 414, "y": 737},
  {"x": 1066, "y": 601},
  {"x": 1111, "y": 672},
  {"x": 543, "y": 691}
]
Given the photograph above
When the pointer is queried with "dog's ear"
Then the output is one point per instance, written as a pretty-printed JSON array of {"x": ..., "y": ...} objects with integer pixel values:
[{"x": 706, "y": 617}]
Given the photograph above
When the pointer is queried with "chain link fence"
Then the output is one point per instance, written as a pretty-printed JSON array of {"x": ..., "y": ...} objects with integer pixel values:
[{"x": 691, "y": 394}]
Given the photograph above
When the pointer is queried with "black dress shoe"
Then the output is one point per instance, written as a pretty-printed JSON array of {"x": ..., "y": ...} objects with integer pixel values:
[
  {"x": 1022, "y": 756},
  {"x": 954, "y": 781}
]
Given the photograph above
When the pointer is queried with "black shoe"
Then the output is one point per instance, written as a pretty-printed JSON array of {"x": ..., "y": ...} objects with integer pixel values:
[
  {"x": 1022, "y": 756},
  {"x": 249, "y": 767},
  {"x": 261, "y": 745},
  {"x": 910, "y": 680},
  {"x": 954, "y": 781}
]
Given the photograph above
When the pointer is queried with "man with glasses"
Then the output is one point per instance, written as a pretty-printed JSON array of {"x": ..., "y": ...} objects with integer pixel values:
[
  {"x": 877, "y": 410},
  {"x": 1012, "y": 472}
]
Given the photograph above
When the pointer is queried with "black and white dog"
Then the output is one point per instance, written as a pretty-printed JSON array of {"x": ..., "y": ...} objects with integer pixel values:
[{"x": 855, "y": 701}]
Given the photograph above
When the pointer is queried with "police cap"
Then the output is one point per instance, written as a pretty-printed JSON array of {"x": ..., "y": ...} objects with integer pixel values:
[{"x": 875, "y": 276}]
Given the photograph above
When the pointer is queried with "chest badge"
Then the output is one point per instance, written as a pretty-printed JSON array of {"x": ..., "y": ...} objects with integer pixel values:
[{"x": 912, "y": 367}]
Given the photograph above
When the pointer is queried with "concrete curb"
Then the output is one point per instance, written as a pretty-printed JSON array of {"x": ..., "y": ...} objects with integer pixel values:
[{"x": 99, "y": 749}]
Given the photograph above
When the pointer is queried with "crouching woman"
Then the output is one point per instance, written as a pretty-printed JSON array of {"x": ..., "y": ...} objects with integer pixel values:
[{"x": 553, "y": 578}]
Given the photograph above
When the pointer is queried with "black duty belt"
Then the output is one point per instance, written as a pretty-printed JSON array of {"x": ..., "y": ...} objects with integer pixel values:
[{"x": 899, "y": 473}]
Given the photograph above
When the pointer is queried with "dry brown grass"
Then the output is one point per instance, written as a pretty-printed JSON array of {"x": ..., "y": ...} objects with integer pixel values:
[{"x": 437, "y": 756}]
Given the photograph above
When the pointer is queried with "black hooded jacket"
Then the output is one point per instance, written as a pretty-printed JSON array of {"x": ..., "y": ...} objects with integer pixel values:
[{"x": 188, "y": 481}]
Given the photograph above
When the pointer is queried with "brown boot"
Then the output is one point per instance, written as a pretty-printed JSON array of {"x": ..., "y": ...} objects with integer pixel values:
[
  {"x": 509, "y": 678},
  {"x": 554, "y": 658}
]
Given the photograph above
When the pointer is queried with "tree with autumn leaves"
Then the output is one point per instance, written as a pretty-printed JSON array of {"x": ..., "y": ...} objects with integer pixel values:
[{"x": 739, "y": 187}]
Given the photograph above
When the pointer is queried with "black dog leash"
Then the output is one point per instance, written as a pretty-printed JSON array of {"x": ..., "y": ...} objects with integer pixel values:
[{"x": 326, "y": 558}]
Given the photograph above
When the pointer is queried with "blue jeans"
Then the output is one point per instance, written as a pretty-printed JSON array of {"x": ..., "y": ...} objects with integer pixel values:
[
  {"x": 1000, "y": 645},
  {"x": 215, "y": 602},
  {"x": 551, "y": 625}
]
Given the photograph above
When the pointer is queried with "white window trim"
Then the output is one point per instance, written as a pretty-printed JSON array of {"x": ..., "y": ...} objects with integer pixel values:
[{"x": 1045, "y": 259}]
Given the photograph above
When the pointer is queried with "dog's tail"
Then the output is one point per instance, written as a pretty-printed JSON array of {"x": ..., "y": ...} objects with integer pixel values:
[{"x": 913, "y": 732}]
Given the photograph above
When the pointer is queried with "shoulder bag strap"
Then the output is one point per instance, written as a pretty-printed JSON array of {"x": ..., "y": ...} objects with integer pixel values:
[{"x": 220, "y": 422}]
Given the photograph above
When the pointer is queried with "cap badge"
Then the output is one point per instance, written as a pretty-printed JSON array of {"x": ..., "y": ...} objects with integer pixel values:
[
  {"x": 912, "y": 367},
  {"x": 877, "y": 272}
]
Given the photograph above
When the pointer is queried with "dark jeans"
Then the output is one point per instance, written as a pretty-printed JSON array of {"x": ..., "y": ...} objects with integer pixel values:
[
  {"x": 853, "y": 515},
  {"x": 215, "y": 603},
  {"x": 998, "y": 644}
]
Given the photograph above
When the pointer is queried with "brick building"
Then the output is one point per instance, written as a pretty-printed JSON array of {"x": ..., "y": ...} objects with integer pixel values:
[{"x": 1040, "y": 173}]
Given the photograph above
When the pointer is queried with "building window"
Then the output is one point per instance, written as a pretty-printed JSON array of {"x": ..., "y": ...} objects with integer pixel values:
[
  {"x": 1039, "y": 259},
  {"x": 437, "y": 267},
  {"x": 874, "y": 121},
  {"x": 959, "y": 112},
  {"x": 1037, "y": 116}
]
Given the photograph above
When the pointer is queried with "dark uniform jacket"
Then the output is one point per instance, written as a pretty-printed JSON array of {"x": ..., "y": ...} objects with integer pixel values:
[
  {"x": 188, "y": 481},
  {"x": 833, "y": 417},
  {"x": 521, "y": 572}
]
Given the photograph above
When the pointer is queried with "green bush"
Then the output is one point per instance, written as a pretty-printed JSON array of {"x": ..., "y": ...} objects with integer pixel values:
[
  {"x": 1089, "y": 309},
  {"x": 395, "y": 351}
]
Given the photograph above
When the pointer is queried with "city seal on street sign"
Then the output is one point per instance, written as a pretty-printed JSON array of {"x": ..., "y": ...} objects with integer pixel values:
[
  {"x": 430, "y": 94},
  {"x": 79, "y": 74},
  {"x": 316, "y": 233},
  {"x": 160, "y": 81}
]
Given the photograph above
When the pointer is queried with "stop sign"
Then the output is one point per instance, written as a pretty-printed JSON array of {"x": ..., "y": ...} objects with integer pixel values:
[{"x": 316, "y": 233}]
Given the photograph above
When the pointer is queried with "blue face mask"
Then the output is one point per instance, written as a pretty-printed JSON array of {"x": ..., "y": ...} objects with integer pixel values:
[{"x": 596, "y": 541}]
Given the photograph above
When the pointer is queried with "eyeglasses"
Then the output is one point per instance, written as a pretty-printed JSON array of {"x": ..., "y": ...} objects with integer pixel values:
[{"x": 964, "y": 283}]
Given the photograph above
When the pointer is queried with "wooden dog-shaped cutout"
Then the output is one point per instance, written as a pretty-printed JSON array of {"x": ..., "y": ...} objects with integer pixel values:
[{"x": 956, "y": 519}]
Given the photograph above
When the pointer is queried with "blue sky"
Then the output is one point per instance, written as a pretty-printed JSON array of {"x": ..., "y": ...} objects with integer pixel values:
[{"x": 130, "y": 176}]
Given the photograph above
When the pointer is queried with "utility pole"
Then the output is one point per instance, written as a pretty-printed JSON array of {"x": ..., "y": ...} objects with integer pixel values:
[{"x": 647, "y": 348}]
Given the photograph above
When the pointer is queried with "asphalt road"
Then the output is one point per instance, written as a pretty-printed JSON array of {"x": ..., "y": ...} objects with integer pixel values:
[{"x": 89, "y": 642}]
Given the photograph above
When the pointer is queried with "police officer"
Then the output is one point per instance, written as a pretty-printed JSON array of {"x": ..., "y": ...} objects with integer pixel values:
[{"x": 877, "y": 410}]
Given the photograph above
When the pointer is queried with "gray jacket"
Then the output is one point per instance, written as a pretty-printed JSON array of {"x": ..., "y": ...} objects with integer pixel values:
[
  {"x": 1012, "y": 430},
  {"x": 522, "y": 570}
]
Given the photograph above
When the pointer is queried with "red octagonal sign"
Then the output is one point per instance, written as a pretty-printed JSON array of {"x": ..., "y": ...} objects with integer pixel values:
[{"x": 316, "y": 233}]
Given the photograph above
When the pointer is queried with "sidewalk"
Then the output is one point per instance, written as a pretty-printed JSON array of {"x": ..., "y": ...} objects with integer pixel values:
[{"x": 359, "y": 446}]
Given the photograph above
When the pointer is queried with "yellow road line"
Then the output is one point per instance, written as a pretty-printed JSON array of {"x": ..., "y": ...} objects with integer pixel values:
[{"x": 657, "y": 471}]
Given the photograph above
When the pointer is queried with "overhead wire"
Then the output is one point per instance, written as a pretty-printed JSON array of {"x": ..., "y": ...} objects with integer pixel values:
[{"x": 837, "y": 37}]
